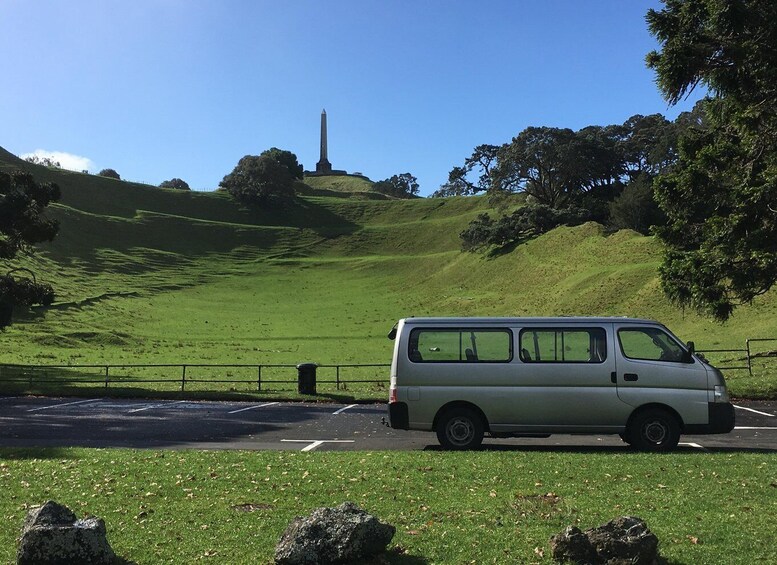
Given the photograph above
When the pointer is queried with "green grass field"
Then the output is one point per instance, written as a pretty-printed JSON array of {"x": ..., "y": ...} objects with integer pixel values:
[
  {"x": 482, "y": 507},
  {"x": 146, "y": 275}
]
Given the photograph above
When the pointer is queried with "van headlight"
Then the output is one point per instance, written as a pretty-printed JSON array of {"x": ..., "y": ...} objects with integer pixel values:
[{"x": 721, "y": 393}]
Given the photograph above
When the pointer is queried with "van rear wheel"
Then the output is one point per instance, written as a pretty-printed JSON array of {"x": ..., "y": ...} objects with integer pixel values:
[
  {"x": 654, "y": 430},
  {"x": 459, "y": 429}
]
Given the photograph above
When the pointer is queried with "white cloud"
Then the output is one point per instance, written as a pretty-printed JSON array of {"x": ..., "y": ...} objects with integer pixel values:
[{"x": 66, "y": 160}]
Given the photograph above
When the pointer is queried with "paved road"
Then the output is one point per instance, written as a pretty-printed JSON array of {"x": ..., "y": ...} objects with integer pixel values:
[{"x": 99, "y": 422}]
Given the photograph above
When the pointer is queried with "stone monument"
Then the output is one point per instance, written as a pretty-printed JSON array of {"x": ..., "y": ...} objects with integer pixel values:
[{"x": 323, "y": 167}]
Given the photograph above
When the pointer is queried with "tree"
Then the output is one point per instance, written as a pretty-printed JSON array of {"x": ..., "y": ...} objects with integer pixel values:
[
  {"x": 287, "y": 159},
  {"x": 110, "y": 173},
  {"x": 636, "y": 208},
  {"x": 175, "y": 183},
  {"x": 545, "y": 163},
  {"x": 399, "y": 186},
  {"x": 258, "y": 180},
  {"x": 720, "y": 198},
  {"x": 22, "y": 225},
  {"x": 483, "y": 158},
  {"x": 43, "y": 161}
]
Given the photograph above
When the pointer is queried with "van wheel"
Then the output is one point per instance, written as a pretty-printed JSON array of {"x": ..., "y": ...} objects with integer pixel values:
[
  {"x": 654, "y": 430},
  {"x": 460, "y": 428}
]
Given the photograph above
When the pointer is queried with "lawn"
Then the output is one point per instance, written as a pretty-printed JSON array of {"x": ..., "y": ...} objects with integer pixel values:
[{"x": 478, "y": 507}]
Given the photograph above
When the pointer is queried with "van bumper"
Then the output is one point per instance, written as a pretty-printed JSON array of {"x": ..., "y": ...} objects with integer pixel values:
[
  {"x": 721, "y": 420},
  {"x": 398, "y": 416}
]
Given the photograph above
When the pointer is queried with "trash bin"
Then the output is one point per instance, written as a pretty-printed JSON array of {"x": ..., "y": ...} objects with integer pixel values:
[{"x": 306, "y": 378}]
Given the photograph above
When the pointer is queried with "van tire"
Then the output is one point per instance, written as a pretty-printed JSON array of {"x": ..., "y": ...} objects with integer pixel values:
[
  {"x": 653, "y": 430},
  {"x": 459, "y": 429}
]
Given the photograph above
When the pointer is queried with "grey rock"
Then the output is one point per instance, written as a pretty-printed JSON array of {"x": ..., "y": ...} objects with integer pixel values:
[
  {"x": 52, "y": 535},
  {"x": 572, "y": 546},
  {"x": 333, "y": 535},
  {"x": 623, "y": 541}
]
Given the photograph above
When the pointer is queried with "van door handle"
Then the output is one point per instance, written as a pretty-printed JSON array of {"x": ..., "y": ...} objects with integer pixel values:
[
  {"x": 614, "y": 377},
  {"x": 630, "y": 377}
]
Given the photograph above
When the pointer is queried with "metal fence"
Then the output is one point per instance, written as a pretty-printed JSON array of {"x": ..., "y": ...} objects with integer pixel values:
[
  {"x": 192, "y": 376},
  {"x": 264, "y": 377},
  {"x": 747, "y": 355}
]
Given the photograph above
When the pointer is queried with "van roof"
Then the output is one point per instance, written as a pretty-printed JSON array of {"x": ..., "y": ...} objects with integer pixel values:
[{"x": 529, "y": 320}]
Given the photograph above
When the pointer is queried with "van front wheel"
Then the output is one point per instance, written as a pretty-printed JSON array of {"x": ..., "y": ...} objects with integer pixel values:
[
  {"x": 460, "y": 428},
  {"x": 654, "y": 430}
]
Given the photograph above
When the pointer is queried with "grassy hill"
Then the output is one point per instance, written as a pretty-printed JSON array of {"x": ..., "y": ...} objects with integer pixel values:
[{"x": 144, "y": 274}]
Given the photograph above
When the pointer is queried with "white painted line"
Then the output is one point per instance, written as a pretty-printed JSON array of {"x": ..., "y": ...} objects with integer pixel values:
[
  {"x": 343, "y": 409},
  {"x": 314, "y": 443},
  {"x": 152, "y": 406},
  {"x": 253, "y": 407},
  {"x": 754, "y": 428},
  {"x": 696, "y": 445},
  {"x": 756, "y": 411},
  {"x": 65, "y": 404}
]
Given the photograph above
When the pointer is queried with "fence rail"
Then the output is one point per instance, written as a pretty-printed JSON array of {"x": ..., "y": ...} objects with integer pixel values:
[
  {"x": 189, "y": 374},
  {"x": 256, "y": 376}
]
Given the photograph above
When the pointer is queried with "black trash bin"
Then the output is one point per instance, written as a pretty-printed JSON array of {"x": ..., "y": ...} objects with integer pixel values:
[{"x": 306, "y": 378}]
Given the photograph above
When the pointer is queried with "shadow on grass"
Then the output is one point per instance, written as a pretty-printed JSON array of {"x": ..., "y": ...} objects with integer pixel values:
[
  {"x": 610, "y": 449},
  {"x": 23, "y": 453}
]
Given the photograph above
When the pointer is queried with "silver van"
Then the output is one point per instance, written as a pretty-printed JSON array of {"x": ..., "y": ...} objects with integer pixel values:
[{"x": 532, "y": 377}]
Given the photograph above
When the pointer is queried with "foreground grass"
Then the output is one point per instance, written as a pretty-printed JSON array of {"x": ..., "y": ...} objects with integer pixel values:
[{"x": 482, "y": 507}]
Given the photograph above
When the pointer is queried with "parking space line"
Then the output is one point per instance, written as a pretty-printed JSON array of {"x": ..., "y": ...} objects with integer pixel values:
[
  {"x": 314, "y": 443},
  {"x": 695, "y": 445},
  {"x": 755, "y": 411},
  {"x": 755, "y": 428},
  {"x": 343, "y": 409},
  {"x": 155, "y": 406},
  {"x": 253, "y": 407},
  {"x": 65, "y": 404}
]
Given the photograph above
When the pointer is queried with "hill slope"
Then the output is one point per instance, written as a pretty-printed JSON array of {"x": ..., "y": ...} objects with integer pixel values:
[{"x": 150, "y": 275}]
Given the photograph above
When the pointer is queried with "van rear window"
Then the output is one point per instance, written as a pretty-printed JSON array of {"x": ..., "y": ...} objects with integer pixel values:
[
  {"x": 460, "y": 345},
  {"x": 563, "y": 345}
]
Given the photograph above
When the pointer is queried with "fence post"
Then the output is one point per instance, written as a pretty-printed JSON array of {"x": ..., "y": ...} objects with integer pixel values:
[
  {"x": 749, "y": 364},
  {"x": 106, "y": 376},
  {"x": 183, "y": 378},
  {"x": 337, "y": 376},
  {"x": 259, "y": 378}
]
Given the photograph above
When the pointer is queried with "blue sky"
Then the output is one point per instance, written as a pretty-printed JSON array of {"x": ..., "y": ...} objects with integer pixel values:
[{"x": 185, "y": 88}]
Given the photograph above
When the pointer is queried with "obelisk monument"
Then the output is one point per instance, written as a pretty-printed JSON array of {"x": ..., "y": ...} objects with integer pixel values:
[{"x": 323, "y": 166}]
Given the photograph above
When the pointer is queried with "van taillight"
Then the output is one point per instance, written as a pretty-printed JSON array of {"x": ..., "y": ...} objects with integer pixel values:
[{"x": 392, "y": 395}]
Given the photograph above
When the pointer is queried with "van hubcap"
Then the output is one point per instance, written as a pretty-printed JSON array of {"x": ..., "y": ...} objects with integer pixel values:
[
  {"x": 655, "y": 432},
  {"x": 461, "y": 431}
]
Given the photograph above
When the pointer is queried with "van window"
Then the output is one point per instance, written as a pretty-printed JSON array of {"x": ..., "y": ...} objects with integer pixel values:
[
  {"x": 563, "y": 345},
  {"x": 650, "y": 344},
  {"x": 463, "y": 345}
]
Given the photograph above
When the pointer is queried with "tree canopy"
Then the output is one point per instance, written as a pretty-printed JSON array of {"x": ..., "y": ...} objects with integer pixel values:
[
  {"x": 287, "y": 159},
  {"x": 399, "y": 186},
  {"x": 23, "y": 224},
  {"x": 175, "y": 183},
  {"x": 259, "y": 180},
  {"x": 720, "y": 197},
  {"x": 110, "y": 173}
]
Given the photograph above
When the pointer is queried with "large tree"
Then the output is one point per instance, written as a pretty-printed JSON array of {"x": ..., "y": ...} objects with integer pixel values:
[
  {"x": 483, "y": 159},
  {"x": 721, "y": 196},
  {"x": 258, "y": 180},
  {"x": 176, "y": 183},
  {"x": 399, "y": 186},
  {"x": 23, "y": 223},
  {"x": 287, "y": 159}
]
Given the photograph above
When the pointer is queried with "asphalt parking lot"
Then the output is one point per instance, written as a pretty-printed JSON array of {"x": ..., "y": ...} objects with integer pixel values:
[{"x": 302, "y": 426}]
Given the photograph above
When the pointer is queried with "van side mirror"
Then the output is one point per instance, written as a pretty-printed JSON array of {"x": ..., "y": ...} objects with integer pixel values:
[
  {"x": 688, "y": 354},
  {"x": 393, "y": 333}
]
